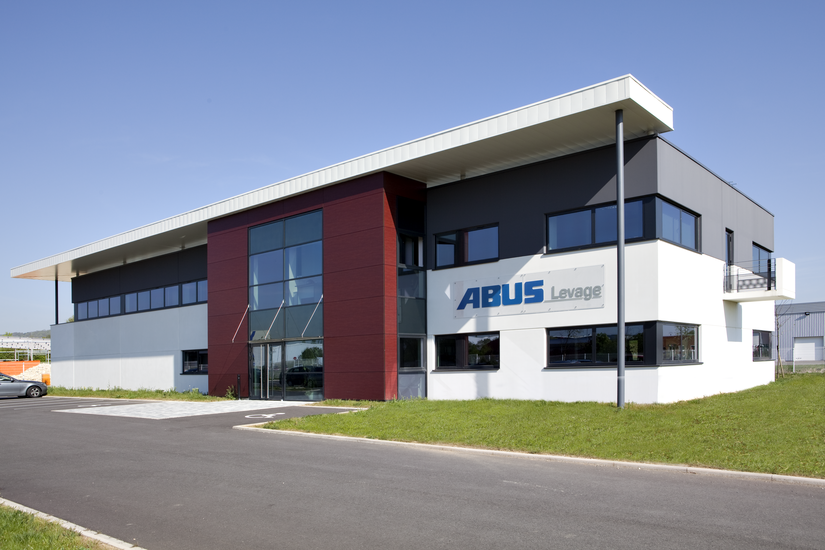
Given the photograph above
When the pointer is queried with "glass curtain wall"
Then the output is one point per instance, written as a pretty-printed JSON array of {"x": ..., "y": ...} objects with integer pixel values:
[
  {"x": 286, "y": 308},
  {"x": 412, "y": 297},
  {"x": 412, "y": 316}
]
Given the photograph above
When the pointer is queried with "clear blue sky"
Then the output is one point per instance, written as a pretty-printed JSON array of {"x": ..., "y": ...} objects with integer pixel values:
[{"x": 118, "y": 114}]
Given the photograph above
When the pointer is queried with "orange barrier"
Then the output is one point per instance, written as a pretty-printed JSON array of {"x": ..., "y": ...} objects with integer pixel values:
[{"x": 16, "y": 368}]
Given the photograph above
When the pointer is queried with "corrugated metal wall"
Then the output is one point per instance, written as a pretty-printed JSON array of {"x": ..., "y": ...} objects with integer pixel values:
[{"x": 798, "y": 324}]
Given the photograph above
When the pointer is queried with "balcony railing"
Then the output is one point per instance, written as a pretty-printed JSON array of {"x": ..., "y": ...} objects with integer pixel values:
[{"x": 772, "y": 279}]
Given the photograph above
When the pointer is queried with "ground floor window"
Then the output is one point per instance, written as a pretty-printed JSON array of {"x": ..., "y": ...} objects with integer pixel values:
[
  {"x": 679, "y": 343},
  {"x": 468, "y": 351},
  {"x": 594, "y": 344},
  {"x": 412, "y": 374},
  {"x": 762, "y": 345},
  {"x": 196, "y": 362}
]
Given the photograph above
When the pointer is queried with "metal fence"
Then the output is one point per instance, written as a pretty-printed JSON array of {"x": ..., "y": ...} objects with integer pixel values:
[
  {"x": 25, "y": 349},
  {"x": 800, "y": 359},
  {"x": 745, "y": 276}
]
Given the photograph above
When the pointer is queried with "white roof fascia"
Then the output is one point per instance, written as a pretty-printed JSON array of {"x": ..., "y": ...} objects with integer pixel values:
[{"x": 424, "y": 159}]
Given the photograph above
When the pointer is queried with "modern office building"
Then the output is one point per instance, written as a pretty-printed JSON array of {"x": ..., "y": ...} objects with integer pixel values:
[{"x": 476, "y": 262}]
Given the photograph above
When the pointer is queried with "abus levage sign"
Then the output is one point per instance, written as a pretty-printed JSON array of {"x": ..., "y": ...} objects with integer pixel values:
[{"x": 559, "y": 290}]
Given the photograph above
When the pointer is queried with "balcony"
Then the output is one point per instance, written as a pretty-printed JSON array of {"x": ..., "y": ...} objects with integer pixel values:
[{"x": 773, "y": 279}]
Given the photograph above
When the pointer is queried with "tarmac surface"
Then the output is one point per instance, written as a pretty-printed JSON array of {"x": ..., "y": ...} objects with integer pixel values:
[{"x": 159, "y": 480}]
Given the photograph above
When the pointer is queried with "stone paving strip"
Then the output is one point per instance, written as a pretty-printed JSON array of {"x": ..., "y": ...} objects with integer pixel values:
[
  {"x": 811, "y": 481},
  {"x": 88, "y": 533},
  {"x": 181, "y": 409}
]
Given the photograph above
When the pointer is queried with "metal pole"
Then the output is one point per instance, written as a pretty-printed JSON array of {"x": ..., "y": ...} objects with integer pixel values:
[
  {"x": 620, "y": 337},
  {"x": 56, "y": 317}
]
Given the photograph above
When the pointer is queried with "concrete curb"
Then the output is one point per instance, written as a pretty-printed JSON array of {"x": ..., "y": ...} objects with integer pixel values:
[
  {"x": 810, "y": 481},
  {"x": 106, "y": 539}
]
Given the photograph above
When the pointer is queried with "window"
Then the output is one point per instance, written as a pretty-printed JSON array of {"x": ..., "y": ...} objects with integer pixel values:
[
  {"x": 761, "y": 260},
  {"x": 285, "y": 278},
  {"x": 679, "y": 343},
  {"x": 412, "y": 376},
  {"x": 196, "y": 362},
  {"x": 676, "y": 225},
  {"x": 171, "y": 297},
  {"x": 469, "y": 246},
  {"x": 594, "y": 345},
  {"x": 762, "y": 345},
  {"x": 467, "y": 351},
  {"x": 157, "y": 298},
  {"x": 594, "y": 226},
  {"x": 143, "y": 300},
  {"x": 103, "y": 307},
  {"x": 202, "y": 291},
  {"x": 189, "y": 293}
]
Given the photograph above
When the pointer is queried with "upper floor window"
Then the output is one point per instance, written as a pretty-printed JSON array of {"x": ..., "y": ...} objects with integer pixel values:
[
  {"x": 145, "y": 300},
  {"x": 761, "y": 259},
  {"x": 677, "y": 225},
  {"x": 285, "y": 278},
  {"x": 593, "y": 226},
  {"x": 467, "y": 246}
]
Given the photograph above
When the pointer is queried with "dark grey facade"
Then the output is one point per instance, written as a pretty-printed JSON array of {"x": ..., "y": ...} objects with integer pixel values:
[
  {"x": 170, "y": 269},
  {"x": 517, "y": 199}
]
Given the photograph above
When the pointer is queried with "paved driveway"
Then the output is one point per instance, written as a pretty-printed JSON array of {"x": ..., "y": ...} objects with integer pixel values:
[{"x": 192, "y": 483}]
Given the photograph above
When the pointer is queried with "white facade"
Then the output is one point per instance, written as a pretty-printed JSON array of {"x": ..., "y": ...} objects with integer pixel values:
[
  {"x": 140, "y": 351},
  {"x": 664, "y": 282}
]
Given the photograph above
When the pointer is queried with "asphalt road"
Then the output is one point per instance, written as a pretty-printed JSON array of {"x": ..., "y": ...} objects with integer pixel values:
[{"x": 194, "y": 483}]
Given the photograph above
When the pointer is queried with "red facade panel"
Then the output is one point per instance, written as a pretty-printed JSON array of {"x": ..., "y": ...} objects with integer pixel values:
[{"x": 360, "y": 323}]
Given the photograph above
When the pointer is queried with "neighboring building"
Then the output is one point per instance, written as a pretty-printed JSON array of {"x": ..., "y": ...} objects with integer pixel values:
[
  {"x": 800, "y": 333},
  {"x": 476, "y": 262}
]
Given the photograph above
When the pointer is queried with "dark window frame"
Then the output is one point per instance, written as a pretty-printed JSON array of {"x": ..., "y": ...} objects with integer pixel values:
[
  {"x": 697, "y": 225},
  {"x": 646, "y": 206},
  {"x": 460, "y": 253},
  {"x": 281, "y": 312},
  {"x": 648, "y": 329},
  {"x": 121, "y": 301},
  {"x": 201, "y": 368},
  {"x": 462, "y": 352},
  {"x": 763, "y": 351},
  {"x": 660, "y": 344}
]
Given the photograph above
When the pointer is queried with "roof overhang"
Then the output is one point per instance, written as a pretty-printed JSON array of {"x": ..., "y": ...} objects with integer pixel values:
[{"x": 569, "y": 123}]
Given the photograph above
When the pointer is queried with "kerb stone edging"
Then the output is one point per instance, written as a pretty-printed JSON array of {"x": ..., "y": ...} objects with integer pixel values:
[
  {"x": 812, "y": 481},
  {"x": 106, "y": 539}
]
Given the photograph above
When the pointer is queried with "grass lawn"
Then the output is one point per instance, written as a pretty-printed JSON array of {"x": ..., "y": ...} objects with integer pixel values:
[
  {"x": 777, "y": 428},
  {"x": 19, "y": 530},
  {"x": 120, "y": 393}
]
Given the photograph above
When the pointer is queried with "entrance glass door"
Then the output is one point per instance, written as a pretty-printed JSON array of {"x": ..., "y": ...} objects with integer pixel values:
[
  {"x": 266, "y": 376},
  {"x": 287, "y": 371},
  {"x": 275, "y": 372}
]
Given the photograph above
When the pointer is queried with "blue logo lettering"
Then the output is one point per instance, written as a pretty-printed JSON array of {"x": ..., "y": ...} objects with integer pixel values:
[
  {"x": 505, "y": 295},
  {"x": 470, "y": 297},
  {"x": 533, "y": 294},
  {"x": 491, "y": 296}
]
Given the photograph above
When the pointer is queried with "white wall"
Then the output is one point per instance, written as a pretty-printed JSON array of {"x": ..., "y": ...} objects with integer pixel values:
[
  {"x": 141, "y": 350},
  {"x": 664, "y": 282}
]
